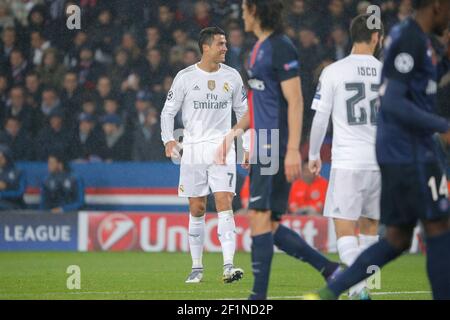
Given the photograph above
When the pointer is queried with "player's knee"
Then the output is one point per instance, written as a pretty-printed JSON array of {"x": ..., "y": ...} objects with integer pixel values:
[
  {"x": 400, "y": 238},
  {"x": 436, "y": 228},
  {"x": 198, "y": 210},
  {"x": 223, "y": 203}
]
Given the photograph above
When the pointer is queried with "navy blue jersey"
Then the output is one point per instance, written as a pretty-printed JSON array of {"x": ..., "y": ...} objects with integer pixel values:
[
  {"x": 62, "y": 190},
  {"x": 407, "y": 118},
  {"x": 272, "y": 61},
  {"x": 15, "y": 184}
]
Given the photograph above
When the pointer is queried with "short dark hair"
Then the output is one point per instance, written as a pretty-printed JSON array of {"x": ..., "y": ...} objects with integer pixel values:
[
  {"x": 33, "y": 73},
  {"x": 207, "y": 35},
  {"x": 360, "y": 30},
  {"x": 269, "y": 13},
  {"x": 420, "y": 4}
]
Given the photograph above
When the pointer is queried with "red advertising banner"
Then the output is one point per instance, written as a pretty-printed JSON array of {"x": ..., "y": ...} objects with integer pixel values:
[{"x": 149, "y": 232}]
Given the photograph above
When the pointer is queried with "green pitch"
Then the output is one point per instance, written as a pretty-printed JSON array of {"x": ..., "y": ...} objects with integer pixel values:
[{"x": 137, "y": 275}]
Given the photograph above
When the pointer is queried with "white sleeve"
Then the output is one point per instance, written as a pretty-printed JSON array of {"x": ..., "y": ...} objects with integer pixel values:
[
  {"x": 239, "y": 98},
  {"x": 323, "y": 98},
  {"x": 174, "y": 101},
  {"x": 246, "y": 141},
  {"x": 318, "y": 132}
]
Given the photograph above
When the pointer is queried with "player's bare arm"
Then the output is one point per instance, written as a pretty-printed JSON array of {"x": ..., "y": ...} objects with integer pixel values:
[
  {"x": 237, "y": 131},
  {"x": 293, "y": 94}
]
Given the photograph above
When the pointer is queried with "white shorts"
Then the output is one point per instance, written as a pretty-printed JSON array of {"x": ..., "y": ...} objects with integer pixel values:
[
  {"x": 353, "y": 194},
  {"x": 199, "y": 173}
]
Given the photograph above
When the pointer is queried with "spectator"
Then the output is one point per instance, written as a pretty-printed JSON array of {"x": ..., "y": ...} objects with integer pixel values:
[
  {"x": 299, "y": 17},
  {"x": 129, "y": 44},
  {"x": 120, "y": 69},
  {"x": 104, "y": 35},
  {"x": 111, "y": 106},
  {"x": 340, "y": 43},
  {"x": 202, "y": 17},
  {"x": 38, "y": 19},
  {"x": 88, "y": 140},
  {"x": 116, "y": 145},
  {"x": 336, "y": 15},
  {"x": 61, "y": 191},
  {"x": 307, "y": 196},
  {"x": 9, "y": 42},
  {"x": 21, "y": 9},
  {"x": 19, "y": 67},
  {"x": 236, "y": 54},
  {"x": 103, "y": 89},
  {"x": 54, "y": 137},
  {"x": 89, "y": 106},
  {"x": 50, "y": 102},
  {"x": 18, "y": 108},
  {"x": 38, "y": 45},
  {"x": 165, "y": 23},
  {"x": 88, "y": 69},
  {"x": 147, "y": 144},
  {"x": 12, "y": 182},
  {"x": 72, "y": 56},
  {"x": 154, "y": 70},
  {"x": 33, "y": 87},
  {"x": 6, "y": 18},
  {"x": 182, "y": 42},
  {"x": 17, "y": 139},
  {"x": 142, "y": 105},
  {"x": 190, "y": 57},
  {"x": 51, "y": 70},
  {"x": 153, "y": 37},
  {"x": 4, "y": 86},
  {"x": 71, "y": 96}
]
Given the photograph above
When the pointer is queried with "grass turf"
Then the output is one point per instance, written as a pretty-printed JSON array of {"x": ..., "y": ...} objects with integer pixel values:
[{"x": 137, "y": 275}]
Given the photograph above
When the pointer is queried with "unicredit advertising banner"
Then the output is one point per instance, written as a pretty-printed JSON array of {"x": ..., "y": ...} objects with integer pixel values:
[
  {"x": 38, "y": 232},
  {"x": 112, "y": 231}
]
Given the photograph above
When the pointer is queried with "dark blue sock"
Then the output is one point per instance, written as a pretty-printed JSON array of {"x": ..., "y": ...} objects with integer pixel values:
[
  {"x": 291, "y": 243},
  {"x": 378, "y": 254},
  {"x": 262, "y": 253},
  {"x": 438, "y": 265}
]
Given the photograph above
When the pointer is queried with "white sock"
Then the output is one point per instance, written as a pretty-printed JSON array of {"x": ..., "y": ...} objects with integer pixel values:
[
  {"x": 196, "y": 239},
  {"x": 227, "y": 235},
  {"x": 366, "y": 241},
  {"x": 348, "y": 249}
]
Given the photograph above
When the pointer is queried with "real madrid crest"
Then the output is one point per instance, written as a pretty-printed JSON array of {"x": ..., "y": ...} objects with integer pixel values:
[{"x": 211, "y": 85}]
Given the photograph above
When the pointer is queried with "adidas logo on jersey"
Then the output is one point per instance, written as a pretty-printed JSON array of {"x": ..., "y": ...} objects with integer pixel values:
[{"x": 196, "y": 88}]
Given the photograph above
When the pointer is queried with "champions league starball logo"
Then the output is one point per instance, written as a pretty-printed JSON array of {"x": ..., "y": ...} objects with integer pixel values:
[{"x": 117, "y": 232}]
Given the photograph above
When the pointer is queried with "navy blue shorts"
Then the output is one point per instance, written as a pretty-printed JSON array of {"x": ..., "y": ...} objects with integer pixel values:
[
  {"x": 413, "y": 192},
  {"x": 269, "y": 192}
]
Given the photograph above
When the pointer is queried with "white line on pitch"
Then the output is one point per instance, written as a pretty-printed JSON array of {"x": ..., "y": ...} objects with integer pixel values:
[{"x": 181, "y": 291}]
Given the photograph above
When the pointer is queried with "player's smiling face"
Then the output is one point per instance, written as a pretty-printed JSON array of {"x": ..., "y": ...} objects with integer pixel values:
[{"x": 218, "y": 48}]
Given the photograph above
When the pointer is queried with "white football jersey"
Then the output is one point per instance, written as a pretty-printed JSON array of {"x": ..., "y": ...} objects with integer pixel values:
[
  {"x": 206, "y": 100},
  {"x": 348, "y": 90}
]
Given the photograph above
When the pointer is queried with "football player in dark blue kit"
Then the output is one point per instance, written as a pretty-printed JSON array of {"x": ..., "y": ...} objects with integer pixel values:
[
  {"x": 275, "y": 115},
  {"x": 12, "y": 182},
  {"x": 414, "y": 184},
  {"x": 61, "y": 191}
]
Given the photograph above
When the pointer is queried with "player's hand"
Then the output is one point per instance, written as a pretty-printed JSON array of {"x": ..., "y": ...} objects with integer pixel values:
[
  {"x": 315, "y": 166},
  {"x": 2, "y": 185},
  {"x": 222, "y": 151},
  {"x": 292, "y": 165},
  {"x": 172, "y": 149},
  {"x": 246, "y": 160}
]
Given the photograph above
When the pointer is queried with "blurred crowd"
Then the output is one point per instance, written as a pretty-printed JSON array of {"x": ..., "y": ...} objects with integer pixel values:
[{"x": 95, "y": 94}]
